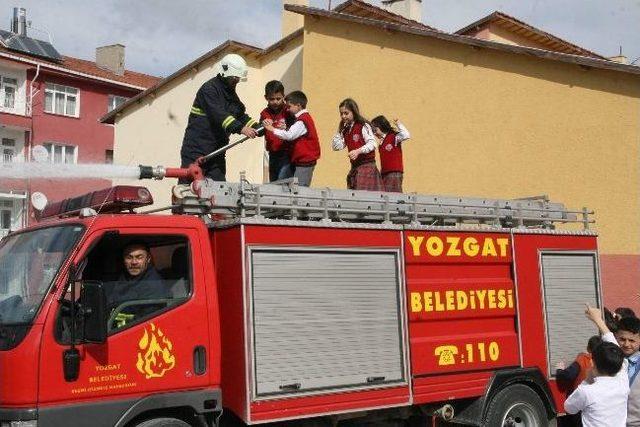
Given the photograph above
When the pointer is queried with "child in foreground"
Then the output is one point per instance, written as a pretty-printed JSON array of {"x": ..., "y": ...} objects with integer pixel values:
[
  {"x": 572, "y": 375},
  {"x": 602, "y": 396}
]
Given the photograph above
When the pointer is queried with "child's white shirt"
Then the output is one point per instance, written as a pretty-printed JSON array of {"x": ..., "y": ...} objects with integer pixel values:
[
  {"x": 604, "y": 402},
  {"x": 296, "y": 130},
  {"x": 402, "y": 135}
]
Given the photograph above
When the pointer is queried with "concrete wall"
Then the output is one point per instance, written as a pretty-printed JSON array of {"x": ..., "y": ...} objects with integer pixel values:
[
  {"x": 488, "y": 123},
  {"x": 151, "y": 132}
]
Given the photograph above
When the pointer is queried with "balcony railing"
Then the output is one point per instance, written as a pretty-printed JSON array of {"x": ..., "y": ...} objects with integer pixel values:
[
  {"x": 18, "y": 106},
  {"x": 7, "y": 158}
]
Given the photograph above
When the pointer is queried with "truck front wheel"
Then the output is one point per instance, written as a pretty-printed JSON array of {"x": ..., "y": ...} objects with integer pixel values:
[
  {"x": 163, "y": 422},
  {"x": 516, "y": 406}
]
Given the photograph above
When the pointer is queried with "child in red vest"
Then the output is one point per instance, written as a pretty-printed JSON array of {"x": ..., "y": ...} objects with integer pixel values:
[
  {"x": 390, "y": 152},
  {"x": 355, "y": 134},
  {"x": 302, "y": 135},
  {"x": 279, "y": 153}
]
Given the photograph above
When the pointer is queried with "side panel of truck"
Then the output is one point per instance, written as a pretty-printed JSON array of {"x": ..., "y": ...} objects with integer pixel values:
[
  {"x": 566, "y": 323},
  {"x": 462, "y": 311},
  {"x": 327, "y": 387}
]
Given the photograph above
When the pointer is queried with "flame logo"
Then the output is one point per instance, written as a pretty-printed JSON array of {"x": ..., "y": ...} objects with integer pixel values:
[{"x": 155, "y": 357}]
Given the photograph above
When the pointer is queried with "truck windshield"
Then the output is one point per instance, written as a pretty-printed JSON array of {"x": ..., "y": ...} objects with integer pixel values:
[{"x": 28, "y": 263}]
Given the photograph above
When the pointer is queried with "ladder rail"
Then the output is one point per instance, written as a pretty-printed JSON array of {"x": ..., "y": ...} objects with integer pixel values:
[
  {"x": 337, "y": 210},
  {"x": 287, "y": 200}
]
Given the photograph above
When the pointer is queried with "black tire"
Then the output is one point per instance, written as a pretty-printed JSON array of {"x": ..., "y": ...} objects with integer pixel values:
[
  {"x": 163, "y": 422},
  {"x": 516, "y": 406}
]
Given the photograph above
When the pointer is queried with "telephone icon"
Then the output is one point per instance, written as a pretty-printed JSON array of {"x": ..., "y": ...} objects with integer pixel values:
[{"x": 446, "y": 354}]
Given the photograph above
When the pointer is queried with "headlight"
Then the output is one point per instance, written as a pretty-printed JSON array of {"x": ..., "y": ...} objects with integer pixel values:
[{"x": 31, "y": 423}]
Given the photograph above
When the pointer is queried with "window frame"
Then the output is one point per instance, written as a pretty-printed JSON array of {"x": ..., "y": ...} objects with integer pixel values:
[
  {"x": 6, "y": 147},
  {"x": 3, "y": 98},
  {"x": 17, "y": 94},
  {"x": 3, "y": 210},
  {"x": 53, "y": 89},
  {"x": 50, "y": 146},
  {"x": 112, "y": 102},
  {"x": 177, "y": 238}
]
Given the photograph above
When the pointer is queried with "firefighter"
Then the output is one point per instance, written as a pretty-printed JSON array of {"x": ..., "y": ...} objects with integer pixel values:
[
  {"x": 216, "y": 113},
  {"x": 139, "y": 281}
]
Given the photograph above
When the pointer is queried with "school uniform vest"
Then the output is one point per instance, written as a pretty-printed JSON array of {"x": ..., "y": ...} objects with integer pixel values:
[
  {"x": 306, "y": 149},
  {"x": 273, "y": 142},
  {"x": 354, "y": 139},
  {"x": 390, "y": 154}
]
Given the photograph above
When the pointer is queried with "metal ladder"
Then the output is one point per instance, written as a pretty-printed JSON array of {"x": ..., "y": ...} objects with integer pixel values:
[{"x": 287, "y": 200}]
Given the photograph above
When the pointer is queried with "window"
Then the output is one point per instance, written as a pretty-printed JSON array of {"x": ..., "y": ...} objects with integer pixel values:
[
  {"x": 6, "y": 206},
  {"x": 108, "y": 157},
  {"x": 142, "y": 276},
  {"x": 62, "y": 100},
  {"x": 115, "y": 101},
  {"x": 8, "y": 150},
  {"x": 65, "y": 154},
  {"x": 8, "y": 91}
]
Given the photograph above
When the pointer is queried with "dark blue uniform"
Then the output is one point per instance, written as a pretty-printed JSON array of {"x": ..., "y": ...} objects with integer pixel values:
[{"x": 216, "y": 113}]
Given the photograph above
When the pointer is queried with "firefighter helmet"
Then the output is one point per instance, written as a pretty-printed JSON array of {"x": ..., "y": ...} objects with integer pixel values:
[{"x": 233, "y": 65}]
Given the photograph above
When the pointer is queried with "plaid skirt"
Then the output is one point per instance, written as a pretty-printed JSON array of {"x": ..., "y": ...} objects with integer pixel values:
[
  {"x": 393, "y": 182},
  {"x": 364, "y": 177}
]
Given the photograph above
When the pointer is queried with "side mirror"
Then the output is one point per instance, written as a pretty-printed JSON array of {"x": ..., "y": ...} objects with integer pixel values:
[{"x": 94, "y": 309}]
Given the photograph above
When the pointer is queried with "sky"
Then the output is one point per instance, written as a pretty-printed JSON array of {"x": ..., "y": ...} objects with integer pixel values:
[{"x": 161, "y": 36}]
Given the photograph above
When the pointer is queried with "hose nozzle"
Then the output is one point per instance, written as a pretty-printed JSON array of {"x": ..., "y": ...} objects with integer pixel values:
[
  {"x": 150, "y": 172},
  {"x": 193, "y": 172}
]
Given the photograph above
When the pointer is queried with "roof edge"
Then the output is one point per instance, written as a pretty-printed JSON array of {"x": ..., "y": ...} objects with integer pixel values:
[
  {"x": 502, "y": 15},
  {"x": 110, "y": 116},
  {"x": 471, "y": 41},
  {"x": 477, "y": 23},
  {"x": 59, "y": 68},
  {"x": 403, "y": 20}
]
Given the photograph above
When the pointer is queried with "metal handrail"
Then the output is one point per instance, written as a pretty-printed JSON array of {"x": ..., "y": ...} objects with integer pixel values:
[{"x": 285, "y": 199}]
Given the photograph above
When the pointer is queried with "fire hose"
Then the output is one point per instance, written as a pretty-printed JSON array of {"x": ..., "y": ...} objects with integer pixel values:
[{"x": 194, "y": 170}]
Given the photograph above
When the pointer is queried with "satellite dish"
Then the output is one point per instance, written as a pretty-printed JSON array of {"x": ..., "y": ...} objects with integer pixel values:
[
  {"x": 38, "y": 201},
  {"x": 40, "y": 154}
]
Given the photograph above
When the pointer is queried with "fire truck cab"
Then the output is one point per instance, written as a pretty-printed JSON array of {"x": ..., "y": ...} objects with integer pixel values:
[{"x": 280, "y": 305}]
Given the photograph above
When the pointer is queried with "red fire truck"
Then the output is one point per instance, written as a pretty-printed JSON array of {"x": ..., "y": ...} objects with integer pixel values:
[{"x": 294, "y": 306}]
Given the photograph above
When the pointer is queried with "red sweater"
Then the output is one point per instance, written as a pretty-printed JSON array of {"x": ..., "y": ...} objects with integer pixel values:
[
  {"x": 306, "y": 149},
  {"x": 354, "y": 139},
  {"x": 390, "y": 154}
]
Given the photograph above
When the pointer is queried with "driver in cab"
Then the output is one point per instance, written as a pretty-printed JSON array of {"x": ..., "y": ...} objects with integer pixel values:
[{"x": 139, "y": 281}]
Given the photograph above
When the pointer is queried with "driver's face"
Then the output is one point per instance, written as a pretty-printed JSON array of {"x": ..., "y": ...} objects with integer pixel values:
[{"x": 136, "y": 260}]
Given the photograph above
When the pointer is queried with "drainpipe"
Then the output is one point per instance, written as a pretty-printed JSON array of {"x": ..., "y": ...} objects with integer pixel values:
[
  {"x": 31, "y": 94},
  {"x": 29, "y": 144}
]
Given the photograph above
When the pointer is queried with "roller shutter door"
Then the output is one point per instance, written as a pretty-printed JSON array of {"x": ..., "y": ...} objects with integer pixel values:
[
  {"x": 569, "y": 281},
  {"x": 325, "y": 320}
]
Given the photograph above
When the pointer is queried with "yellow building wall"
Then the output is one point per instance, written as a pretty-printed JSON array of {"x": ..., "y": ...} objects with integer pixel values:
[
  {"x": 151, "y": 132},
  {"x": 484, "y": 122}
]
